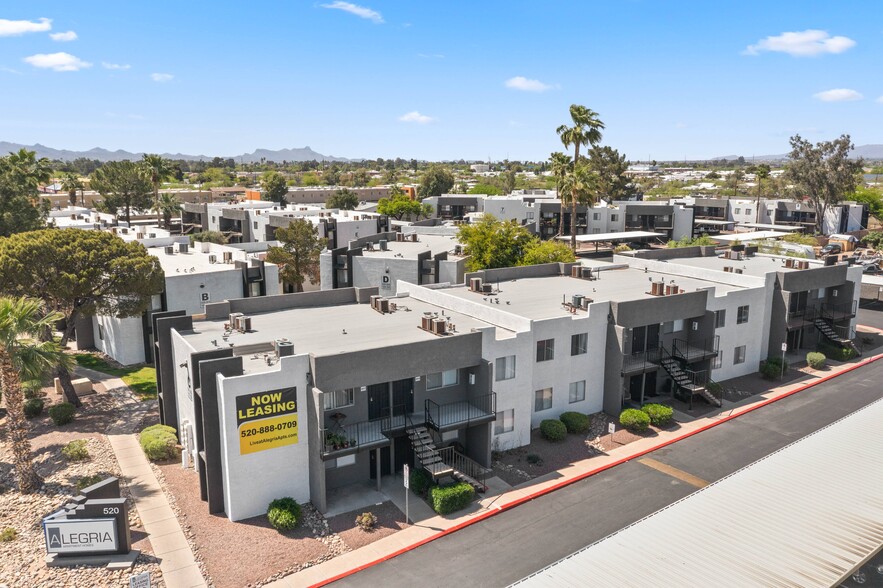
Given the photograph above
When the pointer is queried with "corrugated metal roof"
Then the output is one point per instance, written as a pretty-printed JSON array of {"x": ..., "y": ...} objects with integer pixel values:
[{"x": 804, "y": 516}]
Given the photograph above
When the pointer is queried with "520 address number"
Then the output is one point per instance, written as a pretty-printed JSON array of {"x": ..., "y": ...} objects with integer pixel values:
[{"x": 268, "y": 428}]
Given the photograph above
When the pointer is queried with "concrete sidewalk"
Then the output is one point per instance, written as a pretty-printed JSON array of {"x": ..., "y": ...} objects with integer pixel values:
[
  {"x": 428, "y": 529},
  {"x": 170, "y": 546}
]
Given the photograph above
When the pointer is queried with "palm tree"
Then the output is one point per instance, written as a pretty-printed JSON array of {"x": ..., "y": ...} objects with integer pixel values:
[
  {"x": 168, "y": 205},
  {"x": 586, "y": 130},
  {"x": 559, "y": 162},
  {"x": 582, "y": 184},
  {"x": 22, "y": 357},
  {"x": 70, "y": 183},
  {"x": 158, "y": 169}
]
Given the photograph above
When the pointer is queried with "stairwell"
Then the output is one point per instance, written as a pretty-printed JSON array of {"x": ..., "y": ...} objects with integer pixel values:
[
  {"x": 680, "y": 378},
  {"x": 453, "y": 464},
  {"x": 831, "y": 335}
]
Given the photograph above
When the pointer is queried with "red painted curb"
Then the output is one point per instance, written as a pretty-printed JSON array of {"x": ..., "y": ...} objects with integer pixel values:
[{"x": 583, "y": 476}]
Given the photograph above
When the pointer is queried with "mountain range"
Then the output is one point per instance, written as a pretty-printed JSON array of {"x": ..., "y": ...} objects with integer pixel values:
[
  {"x": 294, "y": 154},
  {"x": 870, "y": 152}
]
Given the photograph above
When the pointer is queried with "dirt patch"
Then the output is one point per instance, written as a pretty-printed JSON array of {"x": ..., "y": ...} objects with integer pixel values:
[
  {"x": 249, "y": 552},
  {"x": 389, "y": 520}
]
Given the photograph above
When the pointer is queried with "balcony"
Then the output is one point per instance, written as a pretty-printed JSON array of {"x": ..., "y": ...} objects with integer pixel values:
[
  {"x": 344, "y": 439},
  {"x": 691, "y": 350},
  {"x": 640, "y": 362},
  {"x": 464, "y": 413},
  {"x": 838, "y": 312}
]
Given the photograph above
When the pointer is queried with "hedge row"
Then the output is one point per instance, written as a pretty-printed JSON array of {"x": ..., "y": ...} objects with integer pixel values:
[
  {"x": 448, "y": 499},
  {"x": 159, "y": 442}
]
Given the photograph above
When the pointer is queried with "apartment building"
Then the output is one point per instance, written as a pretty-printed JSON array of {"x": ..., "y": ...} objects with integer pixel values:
[{"x": 353, "y": 384}]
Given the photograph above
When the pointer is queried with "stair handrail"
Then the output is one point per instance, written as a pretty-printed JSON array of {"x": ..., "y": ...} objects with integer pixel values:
[
  {"x": 464, "y": 465},
  {"x": 427, "y": 409}
]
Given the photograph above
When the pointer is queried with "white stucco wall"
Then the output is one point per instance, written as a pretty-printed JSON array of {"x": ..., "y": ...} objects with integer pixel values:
[
  {"x": 753, "y": 334},
  {"x": 253, "y": 480},
  {"x": 121, "y": 338},
  {"x": 742, "y": 211}
]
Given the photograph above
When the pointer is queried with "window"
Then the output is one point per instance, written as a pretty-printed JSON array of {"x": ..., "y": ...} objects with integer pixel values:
[
  {"x": 542, "y": 399},
  {"x": 530, "y": 215},
  {"x": 100, "y": 332},
  {"x": 673, "y": 326},
  {"x": 717, "y": 362},
  {"x": 747, "y": 211},
  {"x": 596, "y": 216},
  {"x": 720, "y": 319},
  {"x": 614, "y": 218},
  {"x": 577, "y": 391},
  {"x": 505, "y": 422},
  {"x": 739, "y": 355},
  {"x": 579, "y": 343},
  {"x": 742, "y": 315},
  {"x": 441, "y": 379},
  {"x": 505, "y": 368},
  {"x": 255, "y": 224},
  {"x": 545, "y": 349},
  {"x": 338, "y": 398},
  {"x": 737, "y": 211}
]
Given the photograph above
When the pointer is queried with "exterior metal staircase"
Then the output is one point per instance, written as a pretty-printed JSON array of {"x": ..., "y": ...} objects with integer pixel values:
[
  {"x": 687, "y": 380},
  {"x": 446, "y": 461},
  {"x": 831, "y": 335}
]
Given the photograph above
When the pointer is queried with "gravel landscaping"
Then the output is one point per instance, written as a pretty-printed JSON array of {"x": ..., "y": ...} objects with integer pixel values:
[{"x": 389, "y": 520}]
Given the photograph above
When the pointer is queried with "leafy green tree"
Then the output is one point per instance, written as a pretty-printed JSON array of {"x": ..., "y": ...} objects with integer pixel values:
[
  {"x": 359, "y": 178},
  {"x": 586, "y": 130},
  {"x": 688, "y": 241},
  {"x": 822, "y": 173},
  {"x": 79, "y": 273},
  {"x": 122, "y": 185},
  {"x": 537, "y": 251},
  {"x": 22, "y": 358},
  {"x": 298, "y": 253},
  {"x": 71, "y": 183},
  {"x": 488, "y": 189},
  {"x": 310, "y": 179},
  {"x": 390, "y": 176},
  {"x": 399, "y": 206},
  {"x": 158, "y": 170},
  {"x": 343, "y": 199},
  {"x": 870, "y": 196},
  {"x": 274, "y": 188},
  {"x": 21, "y": 209},
  {"x": 168, "y": 205},
  {"x": 610, "y": 166},
  {"x": 491, "y": 243},
  {"x": 508, "y": 178},
  {"x": 436, "y": 180},
  {"x": 216, "y": 237}
]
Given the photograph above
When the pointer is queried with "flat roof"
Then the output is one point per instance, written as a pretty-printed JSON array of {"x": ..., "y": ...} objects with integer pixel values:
[
  {"x": 750, "y": 236},
  {"x": 194, "y": 261},
  {"x": 806, "y": 515},
  {"x": 618, "y": 236},
  {"x": 714, "y": 222},
  {"x": 410, "y": 249},
  {"x": 789, "y": 228},
  {"x": 756, "y": 265}
]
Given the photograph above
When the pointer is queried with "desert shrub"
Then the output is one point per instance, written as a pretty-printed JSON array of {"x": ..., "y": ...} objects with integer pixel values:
[
  {"x": 76, "y": 450},
  {"x": 87, "y": 481},
  {"x": 660, "y": 414},
  {"x": 283, "y": 514},
  {"x": 534, "y": 459},
  {"x": 158, "y": 442},
  {"x": 366, "y": 521},
  {"x": 836, "y": 352},
  {"x": 622, "y": 247},
  {"x": 634, "y": 420},
  {"x": 553, "y": 430},
  {"x": 32, "y": 388},
  {"x": 8, "y": 534},
  {"x": 772, "y": 368},
  {"x": 448, "y": 499},
  {"x": 576, "y": 422},
  {"x": 420, "y": 482},
  {"x": 62, "y": 414},
  {"x": 815, "y": 360},
  {"x": 33, "y": 407}
]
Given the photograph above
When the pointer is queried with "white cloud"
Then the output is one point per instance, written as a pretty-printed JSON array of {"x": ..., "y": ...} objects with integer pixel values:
[
  {"x": 806, "y": 43},
  {"x": 57, "y": 61},
  {"x": 5, "y": 69},
  {"x": 360, "y": 11},
  {"x": 527, "y": 85},
  {"x": 14, "y": 28},
  {"x": 106, "y": 65},
  {"x": 416, "y": 117},
  {"x": 838, "y": 95},
  {"x": 63, "y": 37},
  {"x": 161, "y": 77}
]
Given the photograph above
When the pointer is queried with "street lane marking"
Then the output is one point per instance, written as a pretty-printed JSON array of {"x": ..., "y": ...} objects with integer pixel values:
[{"x": 673, "y": 472}]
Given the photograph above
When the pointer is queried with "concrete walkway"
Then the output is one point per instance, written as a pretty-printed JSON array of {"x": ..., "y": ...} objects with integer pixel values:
[
  {"x": 179, "y": 568},
  {"x": 433, "y": 527}
]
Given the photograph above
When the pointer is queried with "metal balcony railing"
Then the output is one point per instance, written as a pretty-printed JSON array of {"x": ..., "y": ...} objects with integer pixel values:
[
  {"x": 838, "y": 311},
  {"x": 641, "y": 361},
  {"x": 464, "y": 465},
  {"x": 349, "y": 438},
  {"x": 464, "y": 413},
  {"x": 696, "y": 349}
]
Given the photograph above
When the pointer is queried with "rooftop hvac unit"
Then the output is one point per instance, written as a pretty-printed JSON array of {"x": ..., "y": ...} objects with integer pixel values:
[
  {"x": 383, "y": 245},
  {"x": 228, "y": 257},
  {"x": 170, "y": 250},
  {"x": 426, "y": 323},
  {"x": 151, "y": 235},
  {"x": 113, "y": 230},
  {"x": 439, "y": 326},
  {"x": 585, "y": 273},
  {"x": 243, "y": 324},
  {"x": 284, "y": 348},
  {"x": 738, "y": 270},
  {"x": 728, "y": 269},
  {"x": 232, "y": 319},
  {"x": 413, "y": 237},
  {"x": 205, "y": 246},
  {"x": 458, "y": 250},
  {"x": 574, "y": 271},
  {"x": 487, "y": 288},
  {"x": 577, "y": 300},
  {"x": 183, "y": 247},
  {"x": 475, "y": 284},
  {"x": 73, "y": 217},
  {"x": 124, "y": 230},
  {"x": 384, "y": 305},
  {"x": 830, "y": 260},
  {"x": 789, "y": 262},
  {"x": 212, "y": 258},
  {"x": 139, "y": 235},
  {"x": 400, "y": 237}
]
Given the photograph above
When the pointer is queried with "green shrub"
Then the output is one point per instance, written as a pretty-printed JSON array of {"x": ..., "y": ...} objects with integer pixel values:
[
  {"x": 366, "y": 521},
  {"x": 448, "y": 499},
  {"x": 284, "y": 514},
  {"x": 158, "y": 442},
  {"x": 421, "y": 481},
  {"x": 534, "y": 459},
  {"x": 622, "y": 247},
  {"x": 660, "y": 414},
  {"x": 634, "y": 420},
  {"x": 772, "y": 368},
  {"x": 815, "y": 360},
  {"x": 32, "y": 388},
  {"x": 576, "y": 422},
  {"x": 8, "y": 534},
  {"x": 87, "y": 481},
  {"x": 33, "y": 408},
  {"x": 62, "y": 414},
  {"x": 553, "y": 430},
  {"x": 76, "y": 450},
  {"x": 836, "y": 352}
]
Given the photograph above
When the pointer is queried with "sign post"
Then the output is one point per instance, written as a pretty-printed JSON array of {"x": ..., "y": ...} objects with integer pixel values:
[
  {"x": 784, "y": 349},
  {"x": 141, "y": 580},
  {"x": 406, "y": 473},
  {"x": 611, "y": 428}
]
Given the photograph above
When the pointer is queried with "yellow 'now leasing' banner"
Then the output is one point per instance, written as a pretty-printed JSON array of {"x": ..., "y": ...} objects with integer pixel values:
[{"x": 267, "y": 420}]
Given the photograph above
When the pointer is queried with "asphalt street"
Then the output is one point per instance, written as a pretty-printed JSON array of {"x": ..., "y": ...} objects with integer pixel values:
[{"x": 513, "y": 544}]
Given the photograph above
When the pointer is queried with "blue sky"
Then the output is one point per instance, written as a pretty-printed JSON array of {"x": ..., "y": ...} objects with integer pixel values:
[{"x": 438, "y": 80}]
